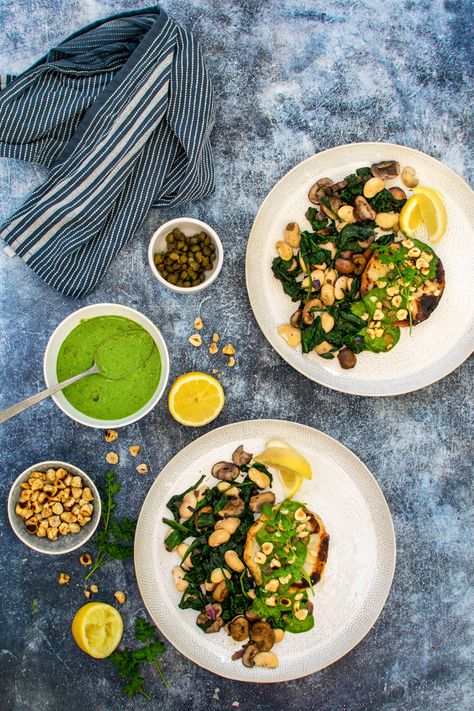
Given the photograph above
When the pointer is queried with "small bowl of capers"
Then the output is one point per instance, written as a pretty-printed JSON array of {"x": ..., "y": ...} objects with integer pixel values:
[{"x": 185, "y": 255}]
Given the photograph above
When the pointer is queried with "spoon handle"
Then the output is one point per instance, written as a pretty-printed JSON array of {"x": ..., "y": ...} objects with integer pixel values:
[{"x": 10, "y": 412}]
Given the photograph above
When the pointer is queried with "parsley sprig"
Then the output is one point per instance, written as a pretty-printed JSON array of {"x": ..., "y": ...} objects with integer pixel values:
[
  {"x": 115, "y": 537},
  {"x": 128, "y": 661}
]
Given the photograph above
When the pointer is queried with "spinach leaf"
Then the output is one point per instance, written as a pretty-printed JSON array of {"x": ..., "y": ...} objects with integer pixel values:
[
  {"x": 312, "y": 335},
  {"x": 311, "y": 213},
  {"x": 351, "y": 235},
  {"x": 385, "y": 202},
  {"x": 288, "y": 279}
]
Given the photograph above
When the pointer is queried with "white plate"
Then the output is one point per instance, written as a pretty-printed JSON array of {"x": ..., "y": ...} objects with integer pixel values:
[
  {"x": 437, "y": 346},
  {"x": 358, "y": 574}
]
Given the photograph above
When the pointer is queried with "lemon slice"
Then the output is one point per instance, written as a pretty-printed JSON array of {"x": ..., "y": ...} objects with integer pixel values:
[
  {"x": 97, "y": 629},
  {"x": 195, "y": 399},
  {"x": 291, "y": 481},
  {"x": 286, "y": 459},
  {"x": 410, "y": 217},
  {"x": 433, "y": 211}
]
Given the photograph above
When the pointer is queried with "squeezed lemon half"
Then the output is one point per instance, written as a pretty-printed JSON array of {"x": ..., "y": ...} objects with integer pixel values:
[
  {"x": 97, "y": 629},
  {"x": 195, "y": 399}
]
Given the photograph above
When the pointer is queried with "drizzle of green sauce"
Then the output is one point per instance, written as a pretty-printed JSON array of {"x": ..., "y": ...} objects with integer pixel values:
[
  {"x": 97, "y": 396},
  {"x": 290, "y": 551}
]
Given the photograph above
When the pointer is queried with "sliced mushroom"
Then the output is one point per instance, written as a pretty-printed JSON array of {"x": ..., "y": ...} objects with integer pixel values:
[
  {"x": 211, "y": 614},
  {"x": 315, "y": 194},
  {"x": 325, "y": 183},
  {"x": 240, "y": 457},
  {"x": 234, "y": 507},
  {"x": 362, "y": 209},
  {"x": 334, "y": 204},
  {"x": 385, "y": 169},
  {"x": 337, "y": 187},
  {"x": 261, "y": 634},
  {"x": 225, "y": 471},
  {"x": 307, "y": 314},
  {"x": 397, "y": 193},
  {"x": 295, "y": 319},
  {"x": 344, "y": 266},
  {"x": 250, "y": 650},
  {"x": 239, "y": 628},
  {"x": 256, "y": 502}
]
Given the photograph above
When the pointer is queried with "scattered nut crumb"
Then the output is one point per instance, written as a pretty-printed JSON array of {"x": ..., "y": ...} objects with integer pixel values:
[
  {"x": 86, "y": 559},
  {"x": 215, "y": 370},
  {"x": 110, "y": 435},
  {"x": 198, "y": 324},
  {"x": 63, "y": 578},
  {"x": 94, "y": 588},
  {"x": 213, "y": 348},
  {"x": 215, "y": 337},
  {"x": 142, "y": 469},
  {"x": 195, "y": 340},
  {"x": 120, "y": 597},
  {"x": 231, "y": 362},
  {"x": 87, "y": 593},
  {"x": 112, "y": 458},
  {"x": 134, "y": 450},
  {"x": 228, "y": 349}
]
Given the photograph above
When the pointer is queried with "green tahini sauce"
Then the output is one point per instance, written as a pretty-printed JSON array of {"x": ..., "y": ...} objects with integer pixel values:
[{"x": 96, "y": 396}]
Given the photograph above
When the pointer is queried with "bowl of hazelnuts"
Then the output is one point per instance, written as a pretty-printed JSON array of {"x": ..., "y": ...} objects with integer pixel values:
[{"x": 54, "y": 507}]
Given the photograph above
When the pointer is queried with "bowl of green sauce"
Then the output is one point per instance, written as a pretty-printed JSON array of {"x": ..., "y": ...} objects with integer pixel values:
[{"x": 133, "y": 360}]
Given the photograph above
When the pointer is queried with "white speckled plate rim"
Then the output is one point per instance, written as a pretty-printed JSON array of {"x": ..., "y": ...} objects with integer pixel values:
[
  {"x": 437, "y": 346},
  {"x": 347, "y": 603}
]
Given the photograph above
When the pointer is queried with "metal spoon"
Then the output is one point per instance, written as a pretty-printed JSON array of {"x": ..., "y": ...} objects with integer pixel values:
[{"x": 13, "y": 410}]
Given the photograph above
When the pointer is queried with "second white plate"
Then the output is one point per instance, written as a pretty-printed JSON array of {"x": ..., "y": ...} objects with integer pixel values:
[
  {"x": 358, "y": 574},
  {"x": 436, "y": 346}
]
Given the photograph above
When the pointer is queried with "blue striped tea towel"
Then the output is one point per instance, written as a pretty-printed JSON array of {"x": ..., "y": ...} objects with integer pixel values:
[{"x": 121, "y": 112}]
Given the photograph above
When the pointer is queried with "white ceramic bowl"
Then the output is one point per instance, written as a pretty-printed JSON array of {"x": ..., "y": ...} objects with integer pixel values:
[
  {"x": 188, "y": 227},
  {"x": 63, "y": 544},
  {"x": 65, "y": 328}
]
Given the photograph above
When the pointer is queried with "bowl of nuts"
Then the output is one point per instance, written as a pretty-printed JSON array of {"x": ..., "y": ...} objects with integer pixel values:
[
  {"x": 185, "y": 255},
  {"x": 54, "y": 507}
]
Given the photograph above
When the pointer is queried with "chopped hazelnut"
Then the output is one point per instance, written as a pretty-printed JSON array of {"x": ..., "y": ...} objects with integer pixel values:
[
  {"x": 86, "y": 559},
  {"x": 63, "y": 578},
  {"x": 112, "y": 458},
  {"x": 198, "y": 323},
  {"x": 231, "y": 362},
  {"x": 94, "y": 588},
  {"x": 142, "y": 469},
  {"x": 110, "y": 435},
  {"x": 120, "y": 597},
  {"x": 229, "y": 350},
  {"x": 195, "y": 340},
  {"x": 134, "y": 450},
  {"x": 215, "y": 337},
  {"x": 213, "y": 348}
]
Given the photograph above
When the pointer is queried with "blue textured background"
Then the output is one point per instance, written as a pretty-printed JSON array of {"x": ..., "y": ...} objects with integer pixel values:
[{"x": 291, "y": 78}]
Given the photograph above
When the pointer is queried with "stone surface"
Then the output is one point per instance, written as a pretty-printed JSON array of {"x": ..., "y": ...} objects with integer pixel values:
[{"x": 291, "y": 78}]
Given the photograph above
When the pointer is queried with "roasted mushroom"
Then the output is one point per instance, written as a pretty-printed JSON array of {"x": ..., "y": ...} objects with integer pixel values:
[
  {"x": 261, "y": 634},
  {"x": 234, "y": 507},
  {"x": 337, "y": 187},
  {"x": 295, "y": 319},
  {"x": 240, "y": 457},
  {"x": 307, "y": 313},
  {"x": 197, "y": 515},
  {"x": 239, "y": 628},
  {"x": 397, "y": 193},
  {"x": 362, "y": 209},
  {"x": 385, "y": 169},
  {"x": 359, "y": 262},
  {"x": 256, "y": 502},
  {"x": 347, "y": 358},
  {"x": 250, "y": 650},
  {"x": 225, "y": 471},
  {"x": 344, "y": 266},
  {"x": 221, "y": 591},
  {"x": 334, "y": 204},
  {"x": 251, "y": 615}
]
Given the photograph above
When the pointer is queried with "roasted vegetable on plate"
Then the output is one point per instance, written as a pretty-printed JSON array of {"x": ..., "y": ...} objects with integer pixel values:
[{"x": 248, "y": 575}]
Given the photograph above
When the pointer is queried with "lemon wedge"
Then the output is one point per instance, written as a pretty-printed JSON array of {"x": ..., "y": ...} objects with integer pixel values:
[
  {"x": 291, "y": 481},
  {"x": 195, "y": 399},
  {"x": 97, "y": 629},
  {"x": 285, "y": 459},
  {"x": 410, "y": 217},
  {"x": 433, "y": 211},
  {"x": 425, "y": 206}
]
